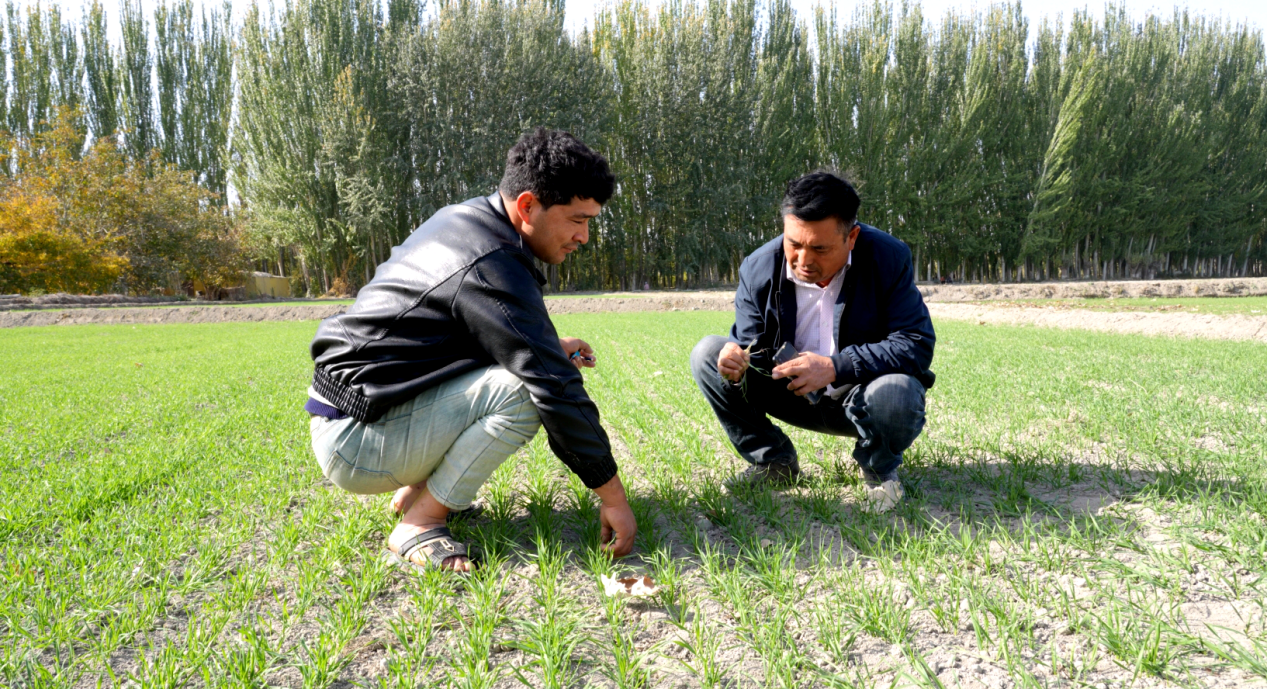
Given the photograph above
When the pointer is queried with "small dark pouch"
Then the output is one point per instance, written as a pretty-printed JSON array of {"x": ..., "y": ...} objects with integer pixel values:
[{"x": 787, "y": 353}]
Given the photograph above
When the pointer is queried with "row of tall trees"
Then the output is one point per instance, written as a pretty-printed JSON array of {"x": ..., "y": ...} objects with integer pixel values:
[
  {"x": 167, "y": 85},
  {"x": 1116, "y": 147},
  {"x": 113, "y": 174}
]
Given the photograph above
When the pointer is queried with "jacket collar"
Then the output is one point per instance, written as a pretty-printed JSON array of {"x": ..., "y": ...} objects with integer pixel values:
[
  {"x": 499, "y": 209},
  {"x": 495, "y": 201}
]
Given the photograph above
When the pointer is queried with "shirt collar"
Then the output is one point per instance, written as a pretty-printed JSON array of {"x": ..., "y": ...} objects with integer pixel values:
[{"x": 801, "y": 283}]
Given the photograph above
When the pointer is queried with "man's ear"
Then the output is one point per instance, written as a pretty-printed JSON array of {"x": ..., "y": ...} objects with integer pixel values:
[
  {"x": 852, "y": 236},
  {"x": 524, "y": 203}
]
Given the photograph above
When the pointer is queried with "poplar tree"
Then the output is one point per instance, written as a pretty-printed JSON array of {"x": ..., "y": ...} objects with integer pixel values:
[
  {"x": 193, "y": 63},
  {"x": 102, "y": 94},
  {"x": 208, "y": 126},
  {"x": 137, "y": 74},
  {"x": 175, "y": 63},
  {"x": 23, "y": 75},
  {"x": 312, "y": 88},
  {"x": 67, "y": 62}
]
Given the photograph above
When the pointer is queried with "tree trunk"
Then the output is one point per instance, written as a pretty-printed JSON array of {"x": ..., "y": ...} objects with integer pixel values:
[{"x": 303, "y": 265}]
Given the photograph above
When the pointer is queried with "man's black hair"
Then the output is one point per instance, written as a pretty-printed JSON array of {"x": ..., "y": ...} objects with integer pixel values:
[
  {"x": 820, "y": 195},
  {"x": 556, "y": 167}
]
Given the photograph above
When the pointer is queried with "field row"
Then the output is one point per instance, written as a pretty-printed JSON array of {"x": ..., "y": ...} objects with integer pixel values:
[{"x": 1082, "y": 510}]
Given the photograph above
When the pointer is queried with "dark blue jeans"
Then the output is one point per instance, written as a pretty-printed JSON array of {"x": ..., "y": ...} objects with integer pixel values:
[{"x": 886, "y": 415}]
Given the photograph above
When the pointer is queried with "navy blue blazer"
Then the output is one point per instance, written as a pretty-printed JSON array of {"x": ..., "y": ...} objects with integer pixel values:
[{"x": 882, "y": 325}]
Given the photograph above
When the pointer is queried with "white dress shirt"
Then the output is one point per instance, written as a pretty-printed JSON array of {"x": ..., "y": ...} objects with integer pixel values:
[{"x": 816, "y": 315}]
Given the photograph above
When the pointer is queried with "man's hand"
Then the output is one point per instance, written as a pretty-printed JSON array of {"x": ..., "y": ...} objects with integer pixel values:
[
  {"x": 733, "y": 362},
  {"x": 579, "y": 352},
  {"x": 808, "y": 371},
  {"x": 616, "y": 519}
]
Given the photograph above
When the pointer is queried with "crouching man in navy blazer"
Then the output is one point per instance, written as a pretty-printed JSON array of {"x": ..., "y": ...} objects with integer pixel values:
[{"x": 841, "y": 295}]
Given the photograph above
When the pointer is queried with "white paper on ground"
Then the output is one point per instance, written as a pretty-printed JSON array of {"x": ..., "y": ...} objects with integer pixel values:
[
  {"x": 636, "y": 587},
  {"x": 883, "y": 497}
]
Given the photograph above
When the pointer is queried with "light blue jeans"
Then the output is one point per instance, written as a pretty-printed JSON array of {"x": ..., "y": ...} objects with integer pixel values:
[{"x": 453, "y": 436}]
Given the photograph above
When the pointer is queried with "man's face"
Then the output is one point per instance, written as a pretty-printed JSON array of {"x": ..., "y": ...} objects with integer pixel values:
[
  {"x": 817, "y": 249},
  {"x": 553, "y": 233}
]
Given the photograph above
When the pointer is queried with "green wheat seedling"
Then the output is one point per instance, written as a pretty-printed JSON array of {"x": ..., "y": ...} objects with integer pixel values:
[
  {"x": 500, "y": 498},
  {"x": 716, "y": 505},
  {"x": 552, "y": 632},
  {"x": 583, "y": 511},
  {"x": 596, "y": 562},
  {"x": 245, "y": 662},
  {"x": 873, "y": 611},
  {"x": 783, "y": 658},
  {"x": 178, "y": 662},
  {"x": 1250, "y": 656},
  {"x": 923, "y": 674},
  {"x": 477, "y": 627},
  {"x": 762, "y": 600},
  {"x": 543, "y": 488},
  {"x": 666, "y": 571},
  {"x": 413, "y": 632},
  {"x": 322, "y": 659},
  {"x": 673, "y": 493},
  {"x": 650, "y": 536},
  {"x": 773, "y": 568},
  {"x": 629, "y": 667},
  {"x": 1143, "y": 644},
  {"x": 834, "y": 634},
  {"x": 138, "y": 505},
  {"x": 702, "y": 643},
  {"x": 30, "y": 673}
]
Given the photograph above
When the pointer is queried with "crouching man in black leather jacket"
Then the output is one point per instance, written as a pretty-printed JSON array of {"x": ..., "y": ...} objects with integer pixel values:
[{"x": 448, "y": 361}]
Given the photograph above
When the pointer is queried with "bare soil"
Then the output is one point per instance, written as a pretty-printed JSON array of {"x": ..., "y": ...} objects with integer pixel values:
[
  {"x": 626, "y": 302},
  {"x": 19, "y": 301},
  {"x": 175, "y": 314},
  {"x": 1224, "y": 287},
  {"x": 945, "y": 301},
  {"x": 1169, "y": 324}
]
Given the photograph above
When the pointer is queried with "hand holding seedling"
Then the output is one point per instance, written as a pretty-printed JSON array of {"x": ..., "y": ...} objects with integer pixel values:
[
  {"x": 733, "y": 362},
  {"x": 616, "y": 519},
  {"x": 808, "y": 371},
  {"x": 579, "y": 352}
]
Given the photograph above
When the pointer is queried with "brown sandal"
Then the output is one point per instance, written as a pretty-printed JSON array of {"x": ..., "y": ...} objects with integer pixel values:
[{"x": 438, "y": 545}]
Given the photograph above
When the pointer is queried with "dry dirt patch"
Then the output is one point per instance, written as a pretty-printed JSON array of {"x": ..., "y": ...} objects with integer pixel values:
[
  {"x": 944, "y": 302},
  {"x": 1231, "y": 327},
  {"x": 176, "y": 314},
  {"x": 1226, "y": 287}
]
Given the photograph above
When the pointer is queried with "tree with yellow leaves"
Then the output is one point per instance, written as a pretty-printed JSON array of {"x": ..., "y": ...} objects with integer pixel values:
[
  {"x": 36, "y": 253},
  {"x": 105, "y": 221}
]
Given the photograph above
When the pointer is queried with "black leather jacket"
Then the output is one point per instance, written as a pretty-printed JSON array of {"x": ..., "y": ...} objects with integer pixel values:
[{"x": 459, "y": 294}]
